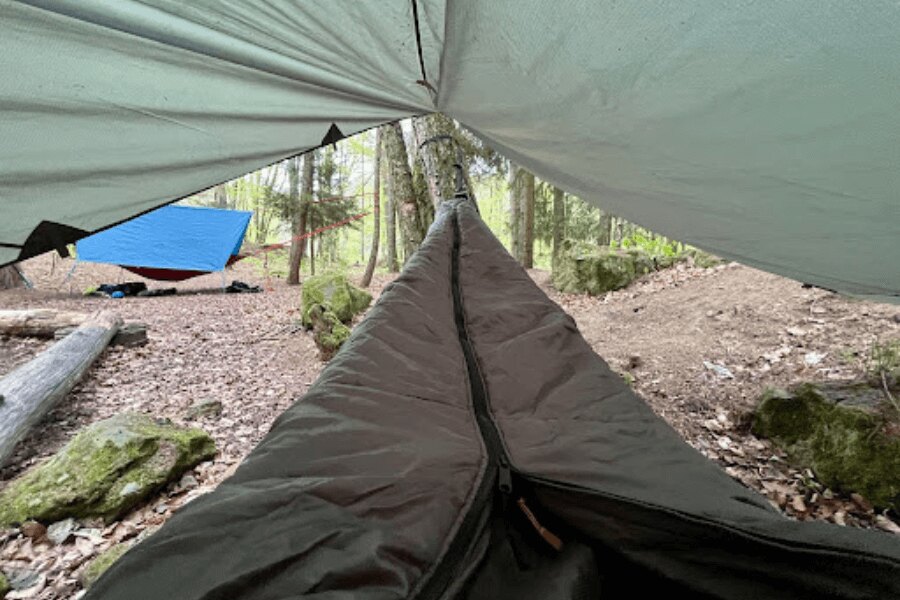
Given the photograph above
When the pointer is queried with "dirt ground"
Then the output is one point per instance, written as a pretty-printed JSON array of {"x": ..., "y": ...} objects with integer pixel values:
[{"x": 699, "y": 346}]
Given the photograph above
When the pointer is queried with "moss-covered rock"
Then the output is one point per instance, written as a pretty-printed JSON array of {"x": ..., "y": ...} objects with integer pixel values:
[
  {"x": 336, "y": 294},
  {"x": 4, "y": 585},
  {"x": 330, "y": 301},
  {"x": 104, "y": 561},
  {"x": 329, "y": 332},
  {"x": 702, "y": 259},
  {"x": 105, "y": 470},
  {"x": 582, "y": 267},
  {"x": 596, "y": 270},
  {"x": 838, "y": 431}
]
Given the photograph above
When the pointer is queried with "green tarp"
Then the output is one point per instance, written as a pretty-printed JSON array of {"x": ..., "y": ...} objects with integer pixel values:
[{"x": 764, "y": 132}]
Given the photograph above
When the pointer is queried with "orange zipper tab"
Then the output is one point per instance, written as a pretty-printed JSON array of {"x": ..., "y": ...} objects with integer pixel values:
[{"x": 545, "y": 533}]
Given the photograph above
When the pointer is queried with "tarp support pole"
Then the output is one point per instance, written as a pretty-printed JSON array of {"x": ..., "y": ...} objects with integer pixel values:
[
  {"x": 69, "y": 275},
  {"x": 23, "y": 277}
]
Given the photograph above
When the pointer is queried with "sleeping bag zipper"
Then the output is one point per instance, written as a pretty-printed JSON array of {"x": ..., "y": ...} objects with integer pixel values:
[{"x": 499, "y": 472}]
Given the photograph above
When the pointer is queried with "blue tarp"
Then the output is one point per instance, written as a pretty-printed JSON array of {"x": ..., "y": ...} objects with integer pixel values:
[{"x": 171, "y": 237}]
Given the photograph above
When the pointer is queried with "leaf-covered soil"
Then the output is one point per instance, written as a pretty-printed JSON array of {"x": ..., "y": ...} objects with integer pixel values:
[{"x": 699, "y": 345}]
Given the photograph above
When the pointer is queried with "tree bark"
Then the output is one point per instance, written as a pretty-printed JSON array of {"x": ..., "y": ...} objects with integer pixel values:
[
  {"x": 390, "y": 222},
  {"x": 312, "y": 255},
  {"x": 604, "y": 235},
  {"x": 220, "y": 196},
  {"x": 515, "y": 212},
  {"x": 293, "y": 171},
  {"x": 412, "y": 226},
  {"x": 10, "y": 278},
  {"x": 376, "y": 213},
  {"x": 30, "y": 391},
  {"x": 300, "y": 201},
  {"x": 38, "y": 322},
  {"x": 362, "y": 222},
  {"x": 559, "y": 224},
  {"x": 437, "y": 157},
  {"x": 306, "y": 198},
  {"x": 528, "y": 221}
]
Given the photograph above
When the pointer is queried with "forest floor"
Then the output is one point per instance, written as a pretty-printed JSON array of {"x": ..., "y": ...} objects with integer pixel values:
[{"x": 699, "y": 345}]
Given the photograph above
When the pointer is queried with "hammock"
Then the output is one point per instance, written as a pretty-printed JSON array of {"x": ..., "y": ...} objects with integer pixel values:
[
  {"x": 158, "y": 274},
  {"x": 466, "y": 443}
]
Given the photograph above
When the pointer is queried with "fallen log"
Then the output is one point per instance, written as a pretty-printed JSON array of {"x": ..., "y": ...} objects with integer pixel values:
[
  {"x": 130, "y": 335},
  {"x": 29, "y": 392},
  {"x": 38, "y": 322}
]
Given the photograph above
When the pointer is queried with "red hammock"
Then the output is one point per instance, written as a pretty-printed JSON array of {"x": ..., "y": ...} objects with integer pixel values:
[
  {"x": 175, "y": 274},
  {"x": 183, "y": 274}
]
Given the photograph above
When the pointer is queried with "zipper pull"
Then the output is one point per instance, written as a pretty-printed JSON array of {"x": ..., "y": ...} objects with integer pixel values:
[
  {"x": 504, "y": 477},
  {"x": 547, "y": 535}
]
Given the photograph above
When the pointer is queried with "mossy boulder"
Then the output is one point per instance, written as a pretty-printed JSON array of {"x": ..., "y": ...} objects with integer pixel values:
[
  {"x": 105, "y": 470},
  {"x": 4, "y": 585},
  {"x": 701, "y": 259},
  {"x": 840, "y": 431},
  {"x": 595, "y": 270},
  {"x": 328, "y": 331},
  {"x": 102, "y": 563},
  {"x": 330, "y": 302},
  {"x": 335, "y": 293}
]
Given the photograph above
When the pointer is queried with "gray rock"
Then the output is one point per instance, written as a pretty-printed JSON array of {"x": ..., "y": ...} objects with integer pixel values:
[
  {"x": 91, "y": 534},
  {"x": 130, "y": 488},
  {"x": 22, "y": 580},
  {"x": 130, "y": 335},
  {"x": 719, "y": 370},
  {"x": 813, "y": 358},
  {"x": 188, "y": 482},
  {"x": 204, "y": 408},
  {"x": 60, "y": 531}
]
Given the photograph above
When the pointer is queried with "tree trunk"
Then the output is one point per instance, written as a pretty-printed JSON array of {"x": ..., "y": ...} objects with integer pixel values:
[
  {"x": 362, "y": 224},
  {"x": 293, "y": 171},
  {"x": 616, "y": 229},
  {"x": 10, "y": 278},
  {"x": 306, "y": 197},
  {"x": 604, "y": 234},
  {"x": 30, "y": 391},
  {"x": 559, "y": 224},
  {"x": 376, "y": 213},
  {"x": 515, "y": 212},
  {"x": 38, "y": 322},
  {"x": 301, "y": 196},
  {"x": 528, "y": 221},
  {"x": 412, "y": 226},
  {"x": 220, "y": 196},
  {"x": 390, "y": 222},
  {"x": 437, "y": 157}
]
